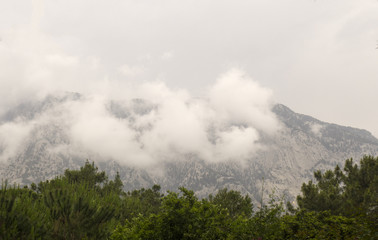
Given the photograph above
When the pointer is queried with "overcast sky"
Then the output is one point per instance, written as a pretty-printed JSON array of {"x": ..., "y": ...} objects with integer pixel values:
[{"x": 318, "y": 57}]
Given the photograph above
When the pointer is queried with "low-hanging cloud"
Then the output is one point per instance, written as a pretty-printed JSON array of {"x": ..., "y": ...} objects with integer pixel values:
[
  {"x": 154, "y": 123},
  {"x": 135, "y": 123},
  {"x": 12, "y": 137}
]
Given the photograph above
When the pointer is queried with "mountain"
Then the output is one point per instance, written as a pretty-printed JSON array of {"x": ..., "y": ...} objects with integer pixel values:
[{"x": 286, "y": 160}]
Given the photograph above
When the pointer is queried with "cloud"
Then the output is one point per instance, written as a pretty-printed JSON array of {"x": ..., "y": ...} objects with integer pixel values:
[
  {"x": 167, "y": 55},
  {"x": 222, "y": 125},
  {"x": 95, "y": 129},
  {"x": 238, "y": 143},
  {"x": 131, "y": 71},
  {"x": 60, "y": 60},
  {"x": 241, "y": 101},
  {"x": 154, "y": 123},
  {"x": 12, "y": 137},
  {"x": 316, "y": 57},
  {"x": 316, "y": 129},
  {"x": 34, "y": 65}
]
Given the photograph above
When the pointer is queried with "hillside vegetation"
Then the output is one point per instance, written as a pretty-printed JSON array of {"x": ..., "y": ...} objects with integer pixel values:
[{"x": 84, "y": 204}]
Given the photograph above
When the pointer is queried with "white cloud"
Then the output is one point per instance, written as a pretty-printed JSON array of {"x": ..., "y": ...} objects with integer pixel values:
[
  {"x": 144, "y": 57},
  {"x": 94, "y": 129},
  {"x": 239, "y": 100},
  {"x": 316, "y": 129},
  {"x": 66, "y": 48},
  {"x": 178, "y": 124},
  {"x": 131, "y": 71},
  {"x": 167, "y": 56},
  {"x": 61, "y": 60},
  {"x": 222, "y": 125},
  {"x": 237, "y": 143},
  {"x": 12, "y": 138}
]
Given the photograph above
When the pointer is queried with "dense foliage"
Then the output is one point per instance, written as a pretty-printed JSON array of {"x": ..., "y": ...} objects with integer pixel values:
[
  {"x": 85, "y": 204},
  {"x": 351, "y": 192}
]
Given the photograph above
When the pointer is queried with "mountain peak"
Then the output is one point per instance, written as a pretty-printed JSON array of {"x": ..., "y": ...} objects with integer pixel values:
[{"x": 285, "y": 160}]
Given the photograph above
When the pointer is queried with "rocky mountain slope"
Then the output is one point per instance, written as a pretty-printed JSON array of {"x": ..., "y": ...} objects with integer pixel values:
[{"x": 286, "y": 160}]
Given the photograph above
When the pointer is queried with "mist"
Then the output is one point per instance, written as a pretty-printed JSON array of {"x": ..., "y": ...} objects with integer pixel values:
[
  {"x": 222, "y": 123},
  {"x": 151, "y": 123},
  {"x": 155, "y": 83}
]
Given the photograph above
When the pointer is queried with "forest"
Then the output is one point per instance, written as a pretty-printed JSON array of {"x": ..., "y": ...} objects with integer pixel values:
[{"x": 341, "y": 203}]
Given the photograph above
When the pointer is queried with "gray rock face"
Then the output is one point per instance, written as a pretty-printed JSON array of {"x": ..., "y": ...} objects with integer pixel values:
[{"x": 286, "y": 160}]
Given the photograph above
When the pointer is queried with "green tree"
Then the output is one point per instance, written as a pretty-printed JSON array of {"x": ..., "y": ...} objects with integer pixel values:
[
  {"x": 234, "y": 202},
  {"x": 115, "y": 185},
  {"x": 325, "y": 195},
  {"x": 82, "y": 203},
  {"x": 88, "y": 173},
  {"x": 320, "y": 225},
  {"x": 22, "y": 215},
  {"x": 181, "y": 217},
  {"x": 140, "y": 202},
  {"x": 361, "y": 187},
  {"x": 351, "y": 192},
  {"x": 266, "y": 222},
  {"x": 78, "y": 211}
]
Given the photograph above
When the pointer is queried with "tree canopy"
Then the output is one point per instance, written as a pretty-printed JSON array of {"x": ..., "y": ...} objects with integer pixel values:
[
  {"x": 85, "y": 204},
  {"x": 351, "y": 192}
]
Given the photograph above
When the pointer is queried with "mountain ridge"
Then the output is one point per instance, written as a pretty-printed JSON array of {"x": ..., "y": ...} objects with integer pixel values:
[{"x": 288, "y": 158}]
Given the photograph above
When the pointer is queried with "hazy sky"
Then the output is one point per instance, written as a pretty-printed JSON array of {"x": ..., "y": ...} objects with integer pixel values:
[{"x": 318, "y": 57}]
